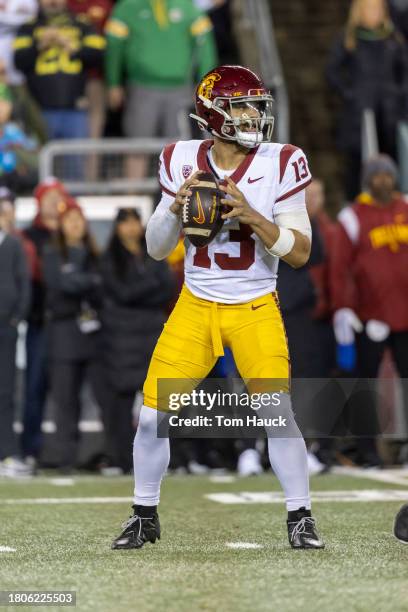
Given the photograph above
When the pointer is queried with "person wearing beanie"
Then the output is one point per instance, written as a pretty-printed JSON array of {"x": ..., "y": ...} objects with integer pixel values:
[
  {"x": 49, "y": 195},
  {"x": 73, "y": 296},
  {"x": 369, "y": 283}
]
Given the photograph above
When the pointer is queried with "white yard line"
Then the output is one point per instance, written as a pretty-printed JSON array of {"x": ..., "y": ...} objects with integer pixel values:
[
  {"x": 244, "y": 497},
  {"x": 398, "y": 477},
  {"x": 66, "y": 500},
  {"x": 4, "y": 549},
  {"x": 62, "y": 482},
  {"x": 269, "y": 497},
  {"x": 222, "y": 479},
  {"x": 243, "y": 545}
]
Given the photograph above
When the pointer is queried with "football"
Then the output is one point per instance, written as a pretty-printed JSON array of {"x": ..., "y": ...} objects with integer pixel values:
[{"x": 202, "y": 211}]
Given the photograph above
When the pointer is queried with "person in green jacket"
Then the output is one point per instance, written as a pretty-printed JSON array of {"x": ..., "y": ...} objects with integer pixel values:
[{"x": 156, "y": 48}]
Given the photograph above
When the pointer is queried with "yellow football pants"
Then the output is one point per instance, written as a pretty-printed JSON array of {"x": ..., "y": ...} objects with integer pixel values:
[{"x": 196, "y": 332}]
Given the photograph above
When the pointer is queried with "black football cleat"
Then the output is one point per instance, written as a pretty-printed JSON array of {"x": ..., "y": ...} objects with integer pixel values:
[
  {"x": 401, "y": 525},
  {"x": 302, "y": 532},
  {"x": 142, "y": 527}
]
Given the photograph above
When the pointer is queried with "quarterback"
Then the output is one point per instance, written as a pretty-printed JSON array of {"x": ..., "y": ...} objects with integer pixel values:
[{"x": 229, "y": 297}]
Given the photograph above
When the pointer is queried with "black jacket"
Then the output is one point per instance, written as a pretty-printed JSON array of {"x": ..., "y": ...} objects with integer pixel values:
[
  {"x": 73, "y": 286},
  {"x": 40, "y": 237},
  {"x": 132, "y": 318},
  {"x": 14, "y": 280},
  {"x": 295, "y": 285},
  {"x": 374, "y": 75},
  {"x": 56, "y": 79}
]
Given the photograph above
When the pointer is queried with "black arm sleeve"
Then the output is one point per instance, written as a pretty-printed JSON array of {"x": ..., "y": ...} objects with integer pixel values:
[
  {"x": 25, "y": 49},
  {"x": 92, "y": 47}
]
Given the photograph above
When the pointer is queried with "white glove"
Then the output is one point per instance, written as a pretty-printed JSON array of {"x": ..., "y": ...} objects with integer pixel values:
[{"x": 346, "y": 323}]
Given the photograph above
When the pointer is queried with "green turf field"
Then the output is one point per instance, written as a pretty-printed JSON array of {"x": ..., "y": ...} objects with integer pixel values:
[{"x": 67, "y": 546}]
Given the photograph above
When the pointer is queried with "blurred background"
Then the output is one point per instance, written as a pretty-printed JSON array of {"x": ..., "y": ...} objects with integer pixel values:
[{"x": 90, "y": 92}]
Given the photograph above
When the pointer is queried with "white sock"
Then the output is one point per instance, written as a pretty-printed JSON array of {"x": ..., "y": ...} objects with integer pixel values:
[
  {"x": 151, "y": 456},
  {"x": 288, "y": 455},
  {"x": 288, "y": 458}
]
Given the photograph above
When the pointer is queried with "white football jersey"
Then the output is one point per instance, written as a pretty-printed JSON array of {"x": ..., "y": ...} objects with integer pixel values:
[{"x": 235, "y": 267}]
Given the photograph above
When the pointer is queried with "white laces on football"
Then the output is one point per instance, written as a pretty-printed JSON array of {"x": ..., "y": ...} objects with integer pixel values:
[{"x": 302, "y": 525}]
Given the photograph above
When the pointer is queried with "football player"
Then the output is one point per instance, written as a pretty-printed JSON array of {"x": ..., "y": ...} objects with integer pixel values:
[{"x": 229, "y": 297}]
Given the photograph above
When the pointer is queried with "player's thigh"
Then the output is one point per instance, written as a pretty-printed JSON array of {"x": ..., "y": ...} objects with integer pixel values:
[
  {"x": 260, "y": 347},
  {"x": 183, "y": 352}
]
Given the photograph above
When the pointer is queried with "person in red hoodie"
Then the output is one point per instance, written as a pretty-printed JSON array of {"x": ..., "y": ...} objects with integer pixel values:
[
  {"x": 48, "y": 194},
  {"x": 369, "y": 283}
]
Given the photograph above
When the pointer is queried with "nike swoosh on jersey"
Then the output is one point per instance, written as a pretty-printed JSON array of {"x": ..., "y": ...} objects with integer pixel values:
[
  {"x": 254, "y": 180},
  {"x": 256, "y": 307},
  {"x": 201, "y": 216}
]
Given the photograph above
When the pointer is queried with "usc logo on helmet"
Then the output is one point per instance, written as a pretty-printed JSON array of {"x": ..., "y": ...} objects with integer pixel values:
[{"x": 207, "y": 84}]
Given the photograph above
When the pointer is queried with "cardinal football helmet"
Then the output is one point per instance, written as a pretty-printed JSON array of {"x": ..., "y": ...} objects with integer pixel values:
[{"x": 233, "y": 104}]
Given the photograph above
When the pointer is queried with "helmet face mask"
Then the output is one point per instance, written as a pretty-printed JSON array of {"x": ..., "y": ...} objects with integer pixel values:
[
  {"x": 233, "y": 104},
  {"x": 250, "y": 120}
]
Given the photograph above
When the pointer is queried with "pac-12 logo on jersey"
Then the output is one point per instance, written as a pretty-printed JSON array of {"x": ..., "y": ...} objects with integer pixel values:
[{"x": 187, "y": 170}]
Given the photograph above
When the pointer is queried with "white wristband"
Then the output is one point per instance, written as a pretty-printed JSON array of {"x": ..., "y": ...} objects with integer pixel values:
[{"x": 284, "y": 243}]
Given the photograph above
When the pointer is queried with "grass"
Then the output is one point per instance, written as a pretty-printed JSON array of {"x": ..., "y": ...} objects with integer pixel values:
[{"x": 67, "y": 547}]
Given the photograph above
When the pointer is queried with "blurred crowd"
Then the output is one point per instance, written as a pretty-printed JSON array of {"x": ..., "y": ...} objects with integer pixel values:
[
  {"x": 93, "y": 68},
  {"x": 65, "y": 66},
  {"x": 95, "y": 316}
]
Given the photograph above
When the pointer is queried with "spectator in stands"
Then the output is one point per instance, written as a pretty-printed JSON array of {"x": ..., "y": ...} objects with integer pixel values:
[
  {"x": 49, "y": 195},
  {"x": 399, "y": 15},
  {"x": 369, "y": 287},
  {"x": 368, "y": 68},
  {"x": 18, "y": 153},
  {"x": 14, "y": 13},
  {"x": 315, "y": 203},
  {"x": 151, "y": 46},
  {"x": 137, "y": 291},
  {"x": 219, "y": 11},
  {"x": 96, "y": 12},
  {"x": 54, "y": 52},
  {"x": 306, "y": 338},
  {"x": 73, "y": 297},
  {"x": 7, "y": 199},
  {"x": 14, "y": 302}
]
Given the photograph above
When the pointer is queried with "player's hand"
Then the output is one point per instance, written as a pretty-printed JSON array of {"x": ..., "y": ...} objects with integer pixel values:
[
  {"x": 184, "y": 192},
  {"x": 238, "y": 202},
  {"x": 116, "y": 97}
]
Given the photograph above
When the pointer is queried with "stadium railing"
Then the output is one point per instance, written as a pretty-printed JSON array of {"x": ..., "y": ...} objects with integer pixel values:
[
  {"x": 369, "y": 136},
  {"x": 98, "y": 166},
  {"x": 402, "y": 146}
]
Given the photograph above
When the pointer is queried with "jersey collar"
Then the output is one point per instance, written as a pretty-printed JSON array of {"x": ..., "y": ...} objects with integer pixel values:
[{"x": 236, "y": 176}]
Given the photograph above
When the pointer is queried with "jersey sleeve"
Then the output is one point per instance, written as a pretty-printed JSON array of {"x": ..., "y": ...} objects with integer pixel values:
[
  {"x": 294, "y": 173},
  {"x": 166, "y": 173}
]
